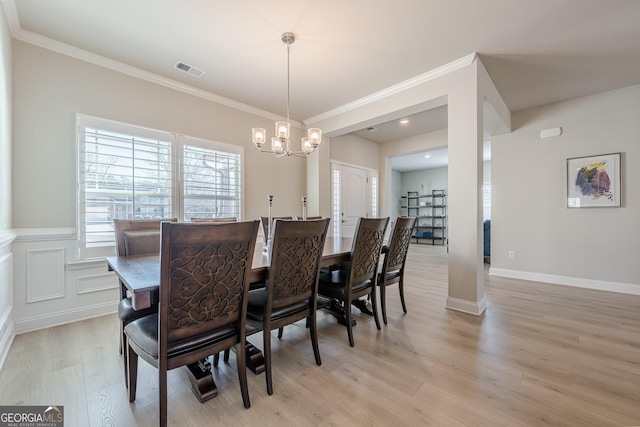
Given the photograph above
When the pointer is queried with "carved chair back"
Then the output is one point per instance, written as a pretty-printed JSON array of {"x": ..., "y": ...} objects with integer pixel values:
[
  {"x": 204, "y": 280},
  {"x": 396, "y": 255},
  {"x": 296, "y": 251},
  {"x": 366, "y": 248}
]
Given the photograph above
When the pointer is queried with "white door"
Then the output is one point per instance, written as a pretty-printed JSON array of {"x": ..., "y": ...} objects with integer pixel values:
[{"x": 350, "y": 189}]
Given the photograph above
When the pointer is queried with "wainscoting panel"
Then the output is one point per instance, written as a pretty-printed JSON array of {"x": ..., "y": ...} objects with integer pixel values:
[
  {"x": 95, "y": 283},
  {"x": 51, "y": 286},
  {"x": 45, "y": 274},
  {"x": 7, "y": 329}
]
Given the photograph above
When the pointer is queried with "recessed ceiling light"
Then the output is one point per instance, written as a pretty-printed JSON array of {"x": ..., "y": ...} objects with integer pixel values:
[
  {"x": 404, "y": 121},
  {"x": 427, "y": 156}
]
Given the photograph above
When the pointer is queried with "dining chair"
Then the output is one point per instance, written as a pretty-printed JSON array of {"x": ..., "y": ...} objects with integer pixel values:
[
  {"x": 292, "y": 284},
  {"x": 264, "y": 224},
  {"x": 224, "y": 219},
  {"x": 358, "y": 277},
  {"x": 394, "y": 261},
  {"x": 204, "y": 282},
  {"x": 135, "y": 237}
]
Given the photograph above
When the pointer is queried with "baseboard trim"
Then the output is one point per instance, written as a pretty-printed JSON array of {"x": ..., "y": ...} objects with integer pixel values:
[
  {"x": 64, "y": 317},
  {"x": 600, "y": 285},
  {"x": 471, "y": 307}
]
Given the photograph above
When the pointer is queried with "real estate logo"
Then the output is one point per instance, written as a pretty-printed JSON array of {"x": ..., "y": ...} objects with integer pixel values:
[{"x": 31, "y": 416}]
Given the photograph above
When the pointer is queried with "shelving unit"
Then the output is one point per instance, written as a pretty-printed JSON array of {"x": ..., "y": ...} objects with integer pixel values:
[{"x": 431, "y": 211}]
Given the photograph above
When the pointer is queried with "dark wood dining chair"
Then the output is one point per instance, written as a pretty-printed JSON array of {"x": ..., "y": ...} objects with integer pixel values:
[
  {"x": 135, "y": 237},
  {"x": 358, "y": 278},
  {"x": 224, "y": 219},
  {"x": 394, "y": 261},
  {"x": 204, "y": 282},
  {"x": 292, "y": 284}
]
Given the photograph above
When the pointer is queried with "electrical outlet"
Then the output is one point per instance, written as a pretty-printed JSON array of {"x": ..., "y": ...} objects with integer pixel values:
[{"x": 512, "y": 254}]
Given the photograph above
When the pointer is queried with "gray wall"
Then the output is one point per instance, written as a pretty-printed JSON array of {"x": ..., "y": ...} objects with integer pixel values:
[
  {"x": 5, "y": 124},
  {"x": 49, "y": 89},
  {"x": 355, "y": 150},
  {"x": 6, "y": 237},
  {"x": 425, "y": 181},
  {"x": 529, "y": 213}
]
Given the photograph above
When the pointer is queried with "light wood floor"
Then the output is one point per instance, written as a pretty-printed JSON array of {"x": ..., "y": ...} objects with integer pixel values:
[{"x": 540, "y": 355}]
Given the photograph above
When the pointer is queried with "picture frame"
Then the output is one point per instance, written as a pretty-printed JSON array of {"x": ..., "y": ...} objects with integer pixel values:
[{"x": 594, "y": 181}]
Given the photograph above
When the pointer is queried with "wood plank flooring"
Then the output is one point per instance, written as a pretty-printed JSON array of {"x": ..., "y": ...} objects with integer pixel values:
[{"x": 540, "y": 355}]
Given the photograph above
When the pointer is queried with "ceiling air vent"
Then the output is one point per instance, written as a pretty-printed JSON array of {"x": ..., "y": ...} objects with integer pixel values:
[{"x": 188, "y": 69}]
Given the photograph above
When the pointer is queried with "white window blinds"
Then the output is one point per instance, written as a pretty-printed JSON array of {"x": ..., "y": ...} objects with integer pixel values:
[{"x": 130, "y": 172}]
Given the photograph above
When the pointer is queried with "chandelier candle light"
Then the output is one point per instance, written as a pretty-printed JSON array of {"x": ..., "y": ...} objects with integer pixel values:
[
  {"x": 280, "y": 144},
  {"x": 267, "y": 239}
]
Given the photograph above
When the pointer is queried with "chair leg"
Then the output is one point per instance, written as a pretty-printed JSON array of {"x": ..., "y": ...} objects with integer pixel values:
[
  {"x": 241, "y": 358},
  {"x": 266, "y": 335},
  {"x": 280, "y": 330},
  {"x": 122, "y": 338},
  {"x": 216, "y": 359},
  {"x": 162, "y": 390},
  {"x": 401, "y": 288},
  {"x": 311, "y": 320},
  {"x": 226, "y": 355},
  {"x": 347, "y": 314},
  {"x": 383, "y": 303},
  {"x": 374, "y": 305},
  {"x": 123, "y": 346},
  {"x": 132, "y": 362}
]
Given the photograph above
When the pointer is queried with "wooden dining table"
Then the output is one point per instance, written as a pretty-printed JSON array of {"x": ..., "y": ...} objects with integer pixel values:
[{"x": 141, "y": 276}]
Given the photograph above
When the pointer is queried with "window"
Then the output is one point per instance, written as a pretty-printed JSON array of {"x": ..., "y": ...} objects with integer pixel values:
[
  {"x": 486, "y": 200},
  {"x": 129, "y": 172},
  {"x": 373, "y": 183},
  {"x": 337, "y": 220}
]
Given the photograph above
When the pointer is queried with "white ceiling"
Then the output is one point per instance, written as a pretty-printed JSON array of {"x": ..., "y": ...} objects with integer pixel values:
[{"x": 536, "y": 52}]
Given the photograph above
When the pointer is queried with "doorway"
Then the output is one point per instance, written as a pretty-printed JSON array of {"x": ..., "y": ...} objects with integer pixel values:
[{"x": 354, "y": 194}]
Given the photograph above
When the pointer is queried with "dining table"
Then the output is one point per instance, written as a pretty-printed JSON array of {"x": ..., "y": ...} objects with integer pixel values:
[{"x": 140, "y": 274}]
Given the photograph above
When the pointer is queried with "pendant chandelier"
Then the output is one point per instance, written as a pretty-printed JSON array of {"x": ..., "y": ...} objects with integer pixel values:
[{"x": 280, "y": 143}]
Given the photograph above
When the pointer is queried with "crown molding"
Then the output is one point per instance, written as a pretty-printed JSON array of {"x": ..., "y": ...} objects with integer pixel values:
[
  {"x": 395, "y": 89},
  {"x": 47, "y": 43}
]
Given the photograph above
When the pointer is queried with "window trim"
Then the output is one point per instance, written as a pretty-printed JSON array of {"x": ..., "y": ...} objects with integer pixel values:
[{"x": 177, "y": 141}]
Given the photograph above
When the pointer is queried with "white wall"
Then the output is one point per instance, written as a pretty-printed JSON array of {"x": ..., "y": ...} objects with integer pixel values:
[
  {"x": 6, "y": 237},
  {"x": 591, "y": 247}
]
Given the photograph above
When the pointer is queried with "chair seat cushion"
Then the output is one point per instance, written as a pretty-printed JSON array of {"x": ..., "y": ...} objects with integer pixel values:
[
  {"x": 391, "y": 275},
  {"x": 333, "y": 284},
  {"x": 144, "y": 333},
  {"x": 126, "y": 313},
  {"x": 257, "y": 300}
]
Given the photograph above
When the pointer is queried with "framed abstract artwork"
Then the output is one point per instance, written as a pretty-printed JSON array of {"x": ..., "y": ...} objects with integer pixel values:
[{"x": 593, "y": 181}]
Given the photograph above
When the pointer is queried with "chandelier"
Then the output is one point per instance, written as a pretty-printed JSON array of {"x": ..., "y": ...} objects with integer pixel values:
[{"x": 280, "y": 144}]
